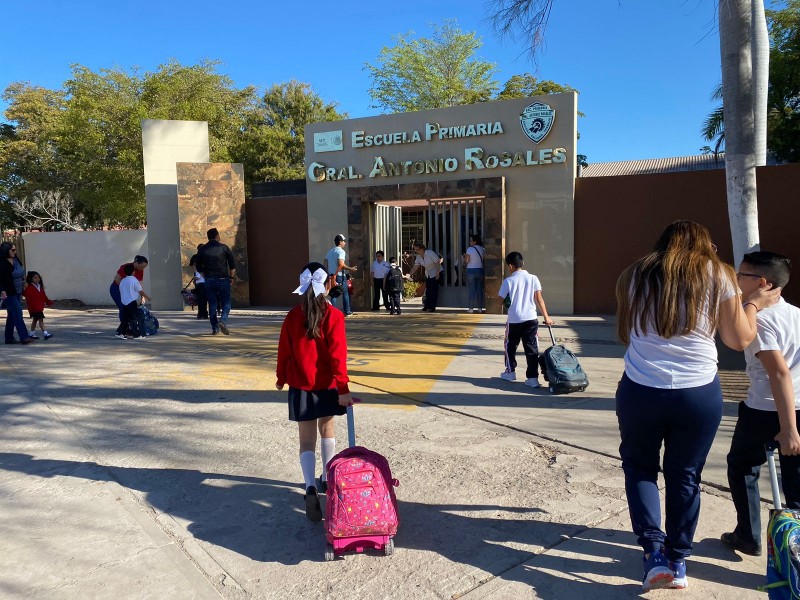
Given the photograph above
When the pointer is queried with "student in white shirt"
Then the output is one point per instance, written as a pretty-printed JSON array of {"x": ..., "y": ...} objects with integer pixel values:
[
  {"x": 669, "y": 304},
  {"x": 378, "y": 271},
  {"x": 771, "y": 410},
  {"x": 524, "y": 293},
  {"x": 130, "y": 290},
  {"x": 474, "y": 259}
]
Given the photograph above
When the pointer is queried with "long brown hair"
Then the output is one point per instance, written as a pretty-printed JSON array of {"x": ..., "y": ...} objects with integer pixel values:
[
  {"x": 673, "y": 285},
  {"x": 314, "y": 307}
]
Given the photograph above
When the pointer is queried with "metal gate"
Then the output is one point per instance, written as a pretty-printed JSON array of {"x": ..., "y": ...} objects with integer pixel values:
[
  {"x": 386, "y": 227},
  {"x": 450, "y": 222}
]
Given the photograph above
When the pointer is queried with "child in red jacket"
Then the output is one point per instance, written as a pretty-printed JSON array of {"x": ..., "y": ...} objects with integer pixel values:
[
  {"x": 36, "y": 300},
  {"x": 312, "y": 359}
]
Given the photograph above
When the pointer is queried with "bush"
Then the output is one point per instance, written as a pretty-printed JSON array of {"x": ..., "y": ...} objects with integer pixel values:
[{"x": 410, "y": 289}]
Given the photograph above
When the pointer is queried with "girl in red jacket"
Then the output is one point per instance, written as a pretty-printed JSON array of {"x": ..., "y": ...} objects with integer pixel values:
[
  {"x": 312, "y": 359},
  {"x": 36, "y": 300}
]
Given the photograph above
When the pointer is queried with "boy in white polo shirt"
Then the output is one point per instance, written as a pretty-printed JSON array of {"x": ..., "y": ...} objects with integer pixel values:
[
  {"x": 525, "y": 293},
  {"x": 772, "y": 408}
]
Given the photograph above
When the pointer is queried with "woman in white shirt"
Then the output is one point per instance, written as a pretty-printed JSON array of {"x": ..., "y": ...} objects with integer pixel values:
[
  {"x": 475, "y": 273},
  {"x": 669, "y": 304}
]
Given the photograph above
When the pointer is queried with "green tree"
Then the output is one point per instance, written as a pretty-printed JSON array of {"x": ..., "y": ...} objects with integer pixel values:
[
  {"x": 434, "y": 72},
  {"x": 783, "y": 97},
  {"x": 272, "y": 142},
  {"x": 85, "y": 139},
  {"x": 29, "y": 158},
  {"x": 783, "y": 118}
]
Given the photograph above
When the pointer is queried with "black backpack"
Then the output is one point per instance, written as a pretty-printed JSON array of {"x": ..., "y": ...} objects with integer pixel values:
[
  {"x": 394, "y": 280},
  {"x": 561, "y": 369}
]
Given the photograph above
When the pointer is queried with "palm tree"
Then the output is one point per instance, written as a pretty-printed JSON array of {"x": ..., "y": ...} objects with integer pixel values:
[
  {"x": 713, "y": 129},
  {"x": 744, "y": 49}
]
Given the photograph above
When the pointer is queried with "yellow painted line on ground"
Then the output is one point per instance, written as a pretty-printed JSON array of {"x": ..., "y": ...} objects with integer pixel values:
[{"x": 398, "y": 360}]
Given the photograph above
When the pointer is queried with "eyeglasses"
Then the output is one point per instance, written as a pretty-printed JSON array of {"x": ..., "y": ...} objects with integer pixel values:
[
  {"x": 12, "y": 250},
  {"x": 714, "y": 247},
  {"x": 740, "y": 275}
]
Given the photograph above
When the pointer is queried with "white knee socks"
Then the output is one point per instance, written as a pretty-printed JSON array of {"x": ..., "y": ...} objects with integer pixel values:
[
  {"x": 308, "y": 462},
  {"x": 328, "y": 451}
]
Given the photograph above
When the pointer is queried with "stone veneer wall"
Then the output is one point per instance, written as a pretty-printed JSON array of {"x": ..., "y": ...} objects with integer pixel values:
[
  {"x": 494, "y": 228},
  {"x": 212, "y": 195}
]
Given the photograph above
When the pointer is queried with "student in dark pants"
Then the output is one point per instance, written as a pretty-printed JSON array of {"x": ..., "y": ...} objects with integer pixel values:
[
  {"x": 524, "y": 292},
  {"x": 772, "y": 408},
  {"x": 669, "y": 304},
  {"x": 431, "y": 263},
  {"x": 199, "y": 287}
]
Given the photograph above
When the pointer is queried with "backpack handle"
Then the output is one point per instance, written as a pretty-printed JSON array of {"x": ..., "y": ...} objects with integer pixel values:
[{"x": 552, "y": 337}]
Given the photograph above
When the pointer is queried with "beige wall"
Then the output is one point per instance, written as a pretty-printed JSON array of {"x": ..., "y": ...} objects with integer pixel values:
[
  {"x": 539, "y": 198},
  {"x": 82, "y": 264}
]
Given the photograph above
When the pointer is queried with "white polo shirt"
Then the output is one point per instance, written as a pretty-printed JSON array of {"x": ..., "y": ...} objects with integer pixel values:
[
  {"x": 521, "y": 286},
  {"x": 129, "y": 289},
  {"x": 430, "y": 261},
  {"x": 778, "y": 329}
]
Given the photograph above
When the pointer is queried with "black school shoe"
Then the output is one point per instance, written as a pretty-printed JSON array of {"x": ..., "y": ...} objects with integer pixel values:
[
  {"x": 313, "y": 509},
  {"x": 734, "y": 541},
  {"x": 322, "y": 486}
]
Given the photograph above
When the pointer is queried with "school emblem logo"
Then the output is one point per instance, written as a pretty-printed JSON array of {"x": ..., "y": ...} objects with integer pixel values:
[{"x": 537, "y": 121}]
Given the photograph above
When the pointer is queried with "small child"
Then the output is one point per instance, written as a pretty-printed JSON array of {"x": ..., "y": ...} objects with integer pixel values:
[
  {"x": 312, "y": 360},
  {"x": 130, "y": 290},
  {"x": 393, "y": 284},
  {"x": 524, "y": 293},
  {"x": 36, "y": 300}
]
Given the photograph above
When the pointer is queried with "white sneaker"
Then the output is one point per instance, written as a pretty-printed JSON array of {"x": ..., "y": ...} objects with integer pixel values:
[
  {"x": 121, "y": 336},
  {"x": 534, "y": 383},
  {"x": 508, "y": 375}
]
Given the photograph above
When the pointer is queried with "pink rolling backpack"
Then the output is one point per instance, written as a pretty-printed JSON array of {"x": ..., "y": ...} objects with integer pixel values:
[{"x": 361, "y": 507}]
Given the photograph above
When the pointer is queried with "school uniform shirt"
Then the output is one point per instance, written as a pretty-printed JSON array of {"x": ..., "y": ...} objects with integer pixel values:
[
  {"x": 129, "y": 289},
  {"x": 778, "y": 329},
  {"x": 317, "y": 364},
  {"x": 380, "y": 269},
  {"x": 679, "y": 362},
  {"x": 36, "y": 298},
  {"x": 476, "y": 254},
  {"x": 333, "y": 256},
  {"x": 521, "y": 286},
  {"x": 430, "y": 261}
]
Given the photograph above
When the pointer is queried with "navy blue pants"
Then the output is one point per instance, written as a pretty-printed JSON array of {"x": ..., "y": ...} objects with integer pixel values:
[
  {"x": 685, "y": 421},
  {"x": 431, "y": 292}
]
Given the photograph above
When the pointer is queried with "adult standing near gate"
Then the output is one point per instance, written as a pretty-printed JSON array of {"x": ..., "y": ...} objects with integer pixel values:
[
  {"x": 378, "y": 271},
  {"x": 139, "y": 265},
  {"x": 431, "y": 263},
  {"x": 670, "y": 303},
  {"x": 335, "y": 266},
  {"x": 12, "y": 278},
  {"x": 475, "y": 273},
  {"x": 216, "y": 264}
]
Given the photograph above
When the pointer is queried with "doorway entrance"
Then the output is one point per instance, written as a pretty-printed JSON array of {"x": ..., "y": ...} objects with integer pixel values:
[{"x": 446, "y": 213}]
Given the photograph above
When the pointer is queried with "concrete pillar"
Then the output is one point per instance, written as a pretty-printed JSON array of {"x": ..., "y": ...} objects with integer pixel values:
[{"x": 165, "y": 143}]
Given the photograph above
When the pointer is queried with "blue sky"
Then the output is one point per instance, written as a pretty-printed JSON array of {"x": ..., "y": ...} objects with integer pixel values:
[{"x": 645, "y": 68}]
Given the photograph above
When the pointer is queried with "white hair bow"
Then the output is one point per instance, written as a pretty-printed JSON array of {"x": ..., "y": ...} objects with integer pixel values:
[{"x": 317, "y": 280}]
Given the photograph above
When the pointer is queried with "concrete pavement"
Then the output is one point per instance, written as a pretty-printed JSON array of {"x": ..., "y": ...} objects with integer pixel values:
[{"x": 167, "y": 468}]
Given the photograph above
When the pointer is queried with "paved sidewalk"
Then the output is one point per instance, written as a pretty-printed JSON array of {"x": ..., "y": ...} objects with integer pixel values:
[{"x": 167, "y": 468}]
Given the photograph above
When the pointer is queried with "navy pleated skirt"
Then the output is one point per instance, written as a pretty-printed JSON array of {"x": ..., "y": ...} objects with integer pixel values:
[{"x": 307, "y": 406}]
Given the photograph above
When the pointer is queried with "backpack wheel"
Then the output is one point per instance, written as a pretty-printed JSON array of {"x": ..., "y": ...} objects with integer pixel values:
[
  {"x": 388, "y": 547},
  {"x": 329, "y": 554}
]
